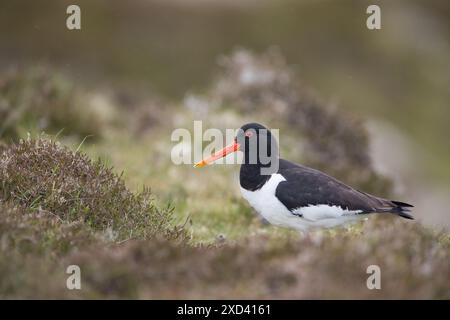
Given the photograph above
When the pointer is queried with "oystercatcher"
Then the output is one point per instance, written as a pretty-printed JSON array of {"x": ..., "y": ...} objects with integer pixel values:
[{"x": 294, "y": 196}]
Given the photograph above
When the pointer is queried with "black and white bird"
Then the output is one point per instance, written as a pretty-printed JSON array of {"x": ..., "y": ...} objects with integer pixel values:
[{"x": 295, "y": 196}]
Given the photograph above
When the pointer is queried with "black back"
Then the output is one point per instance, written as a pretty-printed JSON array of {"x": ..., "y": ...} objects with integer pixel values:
[{"x": 305, "y": 186}]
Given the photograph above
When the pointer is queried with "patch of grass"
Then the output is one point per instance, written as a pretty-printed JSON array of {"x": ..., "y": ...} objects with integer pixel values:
[{"x": 44, "y": 175}]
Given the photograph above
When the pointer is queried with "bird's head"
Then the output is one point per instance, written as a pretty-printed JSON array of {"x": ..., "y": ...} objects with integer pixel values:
[{"x": 255, "y": 141}]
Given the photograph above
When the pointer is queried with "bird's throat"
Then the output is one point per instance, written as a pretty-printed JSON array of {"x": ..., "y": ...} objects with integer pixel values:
[{"x": 251, "y": 176}]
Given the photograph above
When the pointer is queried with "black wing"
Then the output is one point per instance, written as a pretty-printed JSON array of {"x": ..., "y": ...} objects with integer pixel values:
[{"x": 305, "y": 186}]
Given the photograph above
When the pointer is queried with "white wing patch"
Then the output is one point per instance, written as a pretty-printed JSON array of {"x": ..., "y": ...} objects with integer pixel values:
[
  {"x": 266, "y": 203},
  {"x": 324, "y": 211}
]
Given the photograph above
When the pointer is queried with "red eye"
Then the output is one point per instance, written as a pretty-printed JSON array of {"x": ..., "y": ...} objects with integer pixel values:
[{"x": 248, "y": 133}]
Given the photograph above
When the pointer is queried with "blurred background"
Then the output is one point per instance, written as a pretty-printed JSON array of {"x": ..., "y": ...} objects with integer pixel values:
[{"x": 371, "y": 107}]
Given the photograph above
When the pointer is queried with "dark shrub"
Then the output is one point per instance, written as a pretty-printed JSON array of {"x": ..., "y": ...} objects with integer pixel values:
[{"x": 43, "y": 175}]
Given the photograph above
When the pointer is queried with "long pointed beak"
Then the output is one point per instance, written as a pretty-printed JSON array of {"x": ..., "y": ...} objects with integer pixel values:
[{"x": 219, "y": 154}]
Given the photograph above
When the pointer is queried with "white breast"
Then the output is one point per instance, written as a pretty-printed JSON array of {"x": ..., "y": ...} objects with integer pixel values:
[{"x": 267, "y": 204}]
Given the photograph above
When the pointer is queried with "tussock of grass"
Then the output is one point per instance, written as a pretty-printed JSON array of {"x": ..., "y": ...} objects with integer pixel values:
[{"x": 43, "y": 175}]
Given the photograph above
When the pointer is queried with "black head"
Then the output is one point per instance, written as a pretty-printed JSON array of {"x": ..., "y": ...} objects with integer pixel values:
[
  {"x": 259, "y": 147},
  {"x": 258, "y": 144}
]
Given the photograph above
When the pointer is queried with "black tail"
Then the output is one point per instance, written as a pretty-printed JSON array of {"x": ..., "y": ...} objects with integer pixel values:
[{"x": 401, "y": 209}]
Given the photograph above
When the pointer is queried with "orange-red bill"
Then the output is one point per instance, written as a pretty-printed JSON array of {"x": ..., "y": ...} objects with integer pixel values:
[{"x": 219, "y": 154}]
